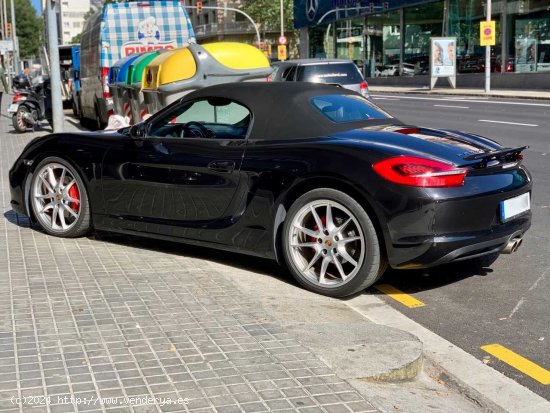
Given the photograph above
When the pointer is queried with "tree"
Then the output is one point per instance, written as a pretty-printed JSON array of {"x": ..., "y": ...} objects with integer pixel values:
[
  {"x": 267, "y": 14},
  {"x": 78, "y": 38},
  {"x": 28, "y": 26}
]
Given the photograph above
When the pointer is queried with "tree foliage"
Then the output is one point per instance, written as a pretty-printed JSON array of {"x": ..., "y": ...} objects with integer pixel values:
[
  {"x": 28, "y": 26},
  {"x": 78, "y": 38},
  {"x": 267, "y": 13}
]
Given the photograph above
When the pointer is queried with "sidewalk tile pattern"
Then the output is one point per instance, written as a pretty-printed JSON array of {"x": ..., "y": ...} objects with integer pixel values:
[{"x": 142, "y": 329}]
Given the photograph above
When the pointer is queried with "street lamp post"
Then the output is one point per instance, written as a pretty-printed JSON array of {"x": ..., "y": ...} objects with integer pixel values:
[
  {"x": 282, "y": 20},
  {"x": 55, "y": 71},
  {"x": 488, "y": 55},
  {"x": 14, "y": 39}
]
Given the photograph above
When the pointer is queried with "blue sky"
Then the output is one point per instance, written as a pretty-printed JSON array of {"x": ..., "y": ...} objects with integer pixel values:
[{"x": 37, "y": 5}]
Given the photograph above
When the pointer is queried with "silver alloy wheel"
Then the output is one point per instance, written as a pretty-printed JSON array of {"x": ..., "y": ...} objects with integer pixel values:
[
  {"x": 56, "y": 197},
  {"x": 326, "y": 243}
]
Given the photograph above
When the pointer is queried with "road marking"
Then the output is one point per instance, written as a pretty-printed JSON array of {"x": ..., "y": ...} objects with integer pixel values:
[
  {"x": 387, "y": 99},
  {"x": 466, "y": 99},
  {"x": 518, "y": 362},
  {"x": 400, "y": 296},
  {"x": 451, "y": 106},
  {"x": 507, "y": 123}
]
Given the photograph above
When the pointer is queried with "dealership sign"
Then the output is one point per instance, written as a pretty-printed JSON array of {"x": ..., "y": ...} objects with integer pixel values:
[{"x": 312, "y": 12}]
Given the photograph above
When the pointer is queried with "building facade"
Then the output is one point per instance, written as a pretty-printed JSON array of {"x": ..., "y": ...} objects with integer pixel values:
[
  {"x": 226, "y": 25},
  {"x": 71, "y": 18},
  {"x": 391, "y": 38}
]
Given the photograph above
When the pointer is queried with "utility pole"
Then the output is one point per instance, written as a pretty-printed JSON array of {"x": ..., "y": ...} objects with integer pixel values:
[
  {"x": 488, "y": 55},
  {"x": 2, "y": 21},
  {"x": 14, "y": 39},
  {"x": 55, "y": 71},
  {"x": 282, "y": 20}
]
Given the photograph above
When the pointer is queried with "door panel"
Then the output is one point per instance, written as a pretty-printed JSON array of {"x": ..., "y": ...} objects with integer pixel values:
[
  {"x": 172, "y": 182},
  {"x": 182, "y": 178}
]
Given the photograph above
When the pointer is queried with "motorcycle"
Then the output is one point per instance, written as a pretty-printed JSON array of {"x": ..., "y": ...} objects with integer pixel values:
[{"x": 31, "y": 103}]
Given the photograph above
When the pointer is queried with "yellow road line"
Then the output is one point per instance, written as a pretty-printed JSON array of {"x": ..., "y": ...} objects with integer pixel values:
[
  {"x": 399, "y": 295},
  {"x": 518, "y": 362}
]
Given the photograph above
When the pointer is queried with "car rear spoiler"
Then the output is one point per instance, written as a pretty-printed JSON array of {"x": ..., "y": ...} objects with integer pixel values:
[{"x": 502, "y": 153}]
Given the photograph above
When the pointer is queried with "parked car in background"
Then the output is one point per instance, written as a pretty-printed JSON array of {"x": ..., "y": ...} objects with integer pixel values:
[
  {"x": 471, "y": 65},
  {"x": 508, "y": 67},
  {"x": 407, "y": 69},
  {"x": 333, "y": 71},
  {"x": 119, "y": 30}
]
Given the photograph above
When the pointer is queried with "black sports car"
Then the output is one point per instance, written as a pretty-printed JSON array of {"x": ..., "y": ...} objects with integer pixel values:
[{"x": 315, "y": 176}]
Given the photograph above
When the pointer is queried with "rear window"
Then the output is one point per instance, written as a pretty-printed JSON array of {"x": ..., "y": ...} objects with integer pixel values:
[
  {"x": 341, "y": 73},
  {"x": 348, "y": 108}
]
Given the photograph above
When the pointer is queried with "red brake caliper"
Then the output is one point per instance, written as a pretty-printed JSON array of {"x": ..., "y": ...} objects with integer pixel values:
[
  {"x": 316, "y": 228},
  {"x": 74, "y": 194}
]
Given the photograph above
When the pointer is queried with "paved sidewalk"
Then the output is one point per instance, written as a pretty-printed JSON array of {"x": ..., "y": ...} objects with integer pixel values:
[
  {"x": 509, "y": 94},
  {"x": 83, "y": 319}
]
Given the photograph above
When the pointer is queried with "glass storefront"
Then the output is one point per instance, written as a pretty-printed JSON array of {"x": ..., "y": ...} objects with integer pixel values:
[
  {"x": 529, "y": 38},
  {"x": 392, "y": 38},
  {"x": 421, "y": 22}
]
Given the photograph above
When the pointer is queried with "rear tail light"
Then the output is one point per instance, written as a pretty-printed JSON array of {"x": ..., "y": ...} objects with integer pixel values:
[
  {"x": 18, "y": 97},
  {"x": 364, "y": 88},
  {"x": 105, "y": 82},
  {"x": 420, "y": 172}
]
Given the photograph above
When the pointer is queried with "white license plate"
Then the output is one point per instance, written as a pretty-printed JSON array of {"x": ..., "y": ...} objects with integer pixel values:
[
  {"x": 512, "y": 207},
  {"x": 13, "y": 108}
]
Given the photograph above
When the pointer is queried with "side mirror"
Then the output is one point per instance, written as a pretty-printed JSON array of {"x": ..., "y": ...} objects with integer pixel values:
[{"x": 137, "y": 131}]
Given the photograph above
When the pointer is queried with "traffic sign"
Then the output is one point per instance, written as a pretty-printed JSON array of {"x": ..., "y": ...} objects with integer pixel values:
[
  {"x": 281, "y": 52},
  {"x": 282, "y": 40},
  {"x": 487, "y": 33}
]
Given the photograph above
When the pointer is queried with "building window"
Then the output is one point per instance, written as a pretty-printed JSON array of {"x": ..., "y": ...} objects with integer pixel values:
[
  {"x": 529, "y": 37},
  {"x": 420, "y": 23},
  {"x": 321, "y": 41},
  {"x": 383, "y": 44},
  {"x": 349, "y": 41}
]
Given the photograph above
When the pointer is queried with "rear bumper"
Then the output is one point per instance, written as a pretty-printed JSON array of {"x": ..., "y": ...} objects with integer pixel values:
[
  {"x": 453, "y": 224},
  {"x": 446, "y": 249}
]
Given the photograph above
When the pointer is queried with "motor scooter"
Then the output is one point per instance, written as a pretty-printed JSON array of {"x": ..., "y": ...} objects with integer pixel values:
[{"x": 32, "y": 103}]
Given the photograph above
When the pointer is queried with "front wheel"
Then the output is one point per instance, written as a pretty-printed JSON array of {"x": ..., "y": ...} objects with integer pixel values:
[
  {"x": 18, "y": 119},
  {"x": 330, "y": 244},
  {"x": 58, "y": 199}
]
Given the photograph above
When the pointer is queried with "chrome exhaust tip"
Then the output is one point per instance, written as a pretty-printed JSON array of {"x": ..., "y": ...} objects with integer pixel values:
[{"x": 513, "y": 245}]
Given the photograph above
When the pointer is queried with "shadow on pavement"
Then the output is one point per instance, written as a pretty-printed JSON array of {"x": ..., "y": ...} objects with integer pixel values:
[
  {"x": 76, "y": 123},
  {"x": 408, "y": 281},
  {"x": 414, "y": 281},
  {"x": 17, "y": 219},
  {"x": 257, "y": 265}
]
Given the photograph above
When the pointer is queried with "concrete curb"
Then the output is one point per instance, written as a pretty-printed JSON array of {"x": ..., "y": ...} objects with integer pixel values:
[
  {"x": 350, "y": 344},
  {"x": 507, "y": 94},
  {"x": 478, "y": 382}
]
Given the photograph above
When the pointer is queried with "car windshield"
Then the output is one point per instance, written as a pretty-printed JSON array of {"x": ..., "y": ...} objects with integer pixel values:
[
  {"x": 340, "y": 73},
  {"x": 348, "y": 108}
]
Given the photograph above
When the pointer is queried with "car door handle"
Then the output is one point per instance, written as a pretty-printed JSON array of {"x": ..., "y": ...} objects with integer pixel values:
[{"x": 222, "y": 166}]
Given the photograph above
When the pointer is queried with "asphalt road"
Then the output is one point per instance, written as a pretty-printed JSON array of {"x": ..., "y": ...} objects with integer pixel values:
[{"x": 507, "y": 303}]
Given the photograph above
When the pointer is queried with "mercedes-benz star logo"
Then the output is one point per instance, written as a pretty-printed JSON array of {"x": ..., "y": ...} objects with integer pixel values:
[{"x": 311, "y": 9}]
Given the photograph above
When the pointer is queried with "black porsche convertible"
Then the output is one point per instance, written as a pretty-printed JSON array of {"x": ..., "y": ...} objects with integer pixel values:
[{"x": 313, "y": 176}]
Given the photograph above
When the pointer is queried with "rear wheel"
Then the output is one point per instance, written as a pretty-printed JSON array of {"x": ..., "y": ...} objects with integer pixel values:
[
  {"x": 18, "y": 119},
  {"x": 330, "y": 244},
  {"x": 58, "y": 199}
]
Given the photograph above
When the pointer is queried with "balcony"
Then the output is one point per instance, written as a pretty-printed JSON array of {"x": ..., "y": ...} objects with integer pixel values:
[{"x": 212, "y": 29}]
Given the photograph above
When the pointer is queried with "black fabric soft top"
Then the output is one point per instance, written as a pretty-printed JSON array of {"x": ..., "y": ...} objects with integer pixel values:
[{"x": 282, "y": 110}]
